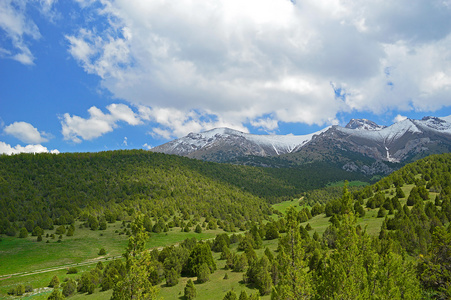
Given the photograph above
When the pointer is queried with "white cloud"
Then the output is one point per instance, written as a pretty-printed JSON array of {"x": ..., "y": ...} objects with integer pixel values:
[
  {"x": 147, "y": 146},
  {"x": 176, "y": 123},
  {"x": 399, "y": 118},
  {"x": 26, "y": 133},
  {"x": 76, "y": 128},
  {"x": 266, "y": 124},
  {"x": 20, "y": 28},
  {"x": 16, "y": 25},
  {"x": 9, "y": 150},
  {"x": 239, "y": 61}
]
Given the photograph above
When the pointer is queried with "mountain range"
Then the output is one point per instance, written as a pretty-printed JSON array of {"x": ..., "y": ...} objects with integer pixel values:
[{"x": 362, "y": 145}]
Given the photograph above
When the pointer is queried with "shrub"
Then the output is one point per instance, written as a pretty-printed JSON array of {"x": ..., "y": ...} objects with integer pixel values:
[
  {"x": 55, "y": 282},
  {"x": 69, "y": 288},
  {"x": 190, "y": 290},
  {"x": 72, "y": 270},
  {"x": 23, "y": 233}
]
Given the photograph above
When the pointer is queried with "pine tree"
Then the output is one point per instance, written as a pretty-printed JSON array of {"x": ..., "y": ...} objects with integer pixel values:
[
  {"x": 135, "y": 284},
  {"x": 258, "y": 274},
  {"x": 294, "y": 282}
]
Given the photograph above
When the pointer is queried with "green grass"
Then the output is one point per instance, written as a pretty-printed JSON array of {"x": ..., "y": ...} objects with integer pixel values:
[
  {"x": 350, "y": 183},
  {"x": 283, "y": 206},
  {"x": 22, "y": 255},
  {"x": 27, "y": 255},
  {"x": 175, "y": 236}
]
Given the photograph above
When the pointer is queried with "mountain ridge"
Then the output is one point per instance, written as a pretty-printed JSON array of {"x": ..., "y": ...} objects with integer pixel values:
[{"x": 360, "y": 142}]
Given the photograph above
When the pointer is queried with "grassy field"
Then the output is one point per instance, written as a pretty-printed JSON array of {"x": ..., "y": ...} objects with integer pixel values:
[
  {"x": 31, "y": 261},
  {"x": 350, "y": 183}
]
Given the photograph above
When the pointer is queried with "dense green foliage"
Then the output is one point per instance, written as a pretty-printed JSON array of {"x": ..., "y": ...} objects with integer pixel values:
[{"x": 43, "y": 190}]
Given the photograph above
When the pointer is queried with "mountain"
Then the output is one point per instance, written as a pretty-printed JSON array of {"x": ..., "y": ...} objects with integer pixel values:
[
  {"x": 363, "y": 124},
  {"x": 224, "y": 144},
  {"x": 362, "y": 145}
]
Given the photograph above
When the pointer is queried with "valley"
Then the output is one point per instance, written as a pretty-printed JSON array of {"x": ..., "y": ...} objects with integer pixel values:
[{"x": 243, "y": 214}]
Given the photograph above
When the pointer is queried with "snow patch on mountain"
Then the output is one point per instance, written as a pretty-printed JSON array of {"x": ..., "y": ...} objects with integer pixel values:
[
  {"x": 384, "y": 135},
  {"x": 280, "y": 144},
  {"x": 438, "y": 124},
  {"x": 364, "y": 124}
]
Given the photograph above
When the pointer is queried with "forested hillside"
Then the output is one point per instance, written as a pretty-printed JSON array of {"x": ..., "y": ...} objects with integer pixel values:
[{"x": 46, "y": 189}]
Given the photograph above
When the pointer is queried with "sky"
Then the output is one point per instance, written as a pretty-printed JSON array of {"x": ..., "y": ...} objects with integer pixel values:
[{"x": 97, "y": 75}]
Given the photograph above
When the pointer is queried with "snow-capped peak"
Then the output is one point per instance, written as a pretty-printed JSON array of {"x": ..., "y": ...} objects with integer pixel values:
[
  {"x": 437, "y": 124},
  {"x": 225, "y": 138},
  {"x": 363, "y": 124}
]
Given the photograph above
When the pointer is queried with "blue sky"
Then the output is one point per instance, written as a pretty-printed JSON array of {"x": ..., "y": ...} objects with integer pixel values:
[{"x": 87, "y": 75}]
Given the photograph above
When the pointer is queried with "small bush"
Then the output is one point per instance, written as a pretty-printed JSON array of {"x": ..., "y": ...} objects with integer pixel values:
[
  {"x": 55, "y": 282},
  {"x": 102, "y": 251},
  {"x": 72, "y": 270}
]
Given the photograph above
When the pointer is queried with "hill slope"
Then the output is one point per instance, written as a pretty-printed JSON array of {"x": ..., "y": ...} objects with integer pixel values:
[{"x": 45, "y": 187}]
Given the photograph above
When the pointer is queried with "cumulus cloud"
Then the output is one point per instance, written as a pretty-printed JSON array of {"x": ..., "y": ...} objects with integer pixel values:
[
  {"x": 76, "y": 128},
  {"x": 9, "y": 150},
  {"x": 399, "y": 118},
  {"x": 176, "y": 123},
  {"x": 238, "y": 62},
  {"x": 26, "y": 133}
]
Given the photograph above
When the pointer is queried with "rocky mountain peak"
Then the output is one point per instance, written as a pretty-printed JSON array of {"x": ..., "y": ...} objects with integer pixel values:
[{"x": 363, "y": 124}]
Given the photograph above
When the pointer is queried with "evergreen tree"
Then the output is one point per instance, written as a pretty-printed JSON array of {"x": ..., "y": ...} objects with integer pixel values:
[
  {"x": 23, "y": 233},
  {"x": 435, "y": 269},
  {"x": 355, "y": 270},
  {"x": 231, "y": 295},
  {"x": 55, "y": 282},
  {"x": 55, "y": 295},
  {"x": 272, "y": 232},
  {"x": 135, "y": 283},
  {"x": 258, "y": 274},
  {"x": 172, "y": 277},
  {"x": 200, "y": 254},
  {"x": 294, "y": 282},
  {"x": 69, "y": 288},
  {"x": 190, "y": 290},
  {"x": 203, "y": 274},
  {"x": 243, "y": 295}
]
